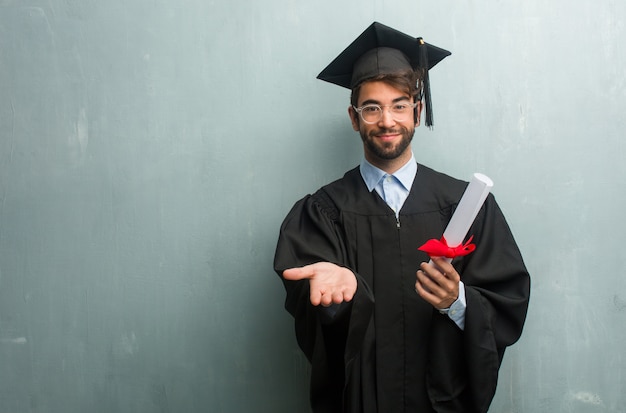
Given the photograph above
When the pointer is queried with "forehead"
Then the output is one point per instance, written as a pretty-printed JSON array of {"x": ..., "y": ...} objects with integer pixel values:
[{"x": 380, "y": 92}]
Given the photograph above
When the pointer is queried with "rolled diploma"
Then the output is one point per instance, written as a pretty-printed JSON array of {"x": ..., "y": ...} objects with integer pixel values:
[{"x": 467, "y": 209}]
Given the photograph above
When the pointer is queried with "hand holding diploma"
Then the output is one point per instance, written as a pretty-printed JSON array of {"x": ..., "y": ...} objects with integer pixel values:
[
  {"x": 438, "y": 283},
  {"x": 437, "y": 280}
]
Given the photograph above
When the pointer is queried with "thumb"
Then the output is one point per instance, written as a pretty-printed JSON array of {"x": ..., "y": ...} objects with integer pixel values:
[{"x": 294, "y": 274}]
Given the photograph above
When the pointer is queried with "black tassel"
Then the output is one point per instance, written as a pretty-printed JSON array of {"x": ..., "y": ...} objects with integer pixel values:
[{"x": 423, "y": 62}]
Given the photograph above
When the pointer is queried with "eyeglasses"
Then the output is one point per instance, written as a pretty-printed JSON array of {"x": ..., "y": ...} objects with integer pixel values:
[{"x": 373, "y": 113}]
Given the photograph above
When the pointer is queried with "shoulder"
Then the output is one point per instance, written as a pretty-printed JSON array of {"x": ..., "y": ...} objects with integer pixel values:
[
  {"x": 330, "y": 199},
  {"x": 342, "y": 193},
  {"x": 435, "y": 190},
  {"x": 348, "y": 194},
  {"x": 350, "y": 180},
  {"x": 439, "y": 181}
]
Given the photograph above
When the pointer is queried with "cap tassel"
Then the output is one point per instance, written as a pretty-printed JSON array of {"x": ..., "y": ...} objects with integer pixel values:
[{"x": 423, "y": 62}]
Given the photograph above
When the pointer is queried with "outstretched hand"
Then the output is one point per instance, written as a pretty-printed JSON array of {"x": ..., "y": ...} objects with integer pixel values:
[
  {"x": 438, "y": 283},
  {"x": 328, "y": 283}
]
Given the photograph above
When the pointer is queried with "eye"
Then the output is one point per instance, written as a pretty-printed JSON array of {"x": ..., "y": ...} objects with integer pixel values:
[
  {"x": 401, "y": 107},
  {"x": 370, "y": 109}
]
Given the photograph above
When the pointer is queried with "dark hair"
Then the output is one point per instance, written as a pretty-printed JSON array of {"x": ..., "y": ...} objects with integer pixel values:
[{"x": 408, "y": 81}]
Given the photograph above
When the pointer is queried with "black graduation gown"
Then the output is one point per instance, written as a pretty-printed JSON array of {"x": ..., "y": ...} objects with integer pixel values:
[{"x": 388, "y": 350}]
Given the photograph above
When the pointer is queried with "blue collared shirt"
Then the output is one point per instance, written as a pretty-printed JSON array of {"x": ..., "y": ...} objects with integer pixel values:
[{"x": 394, "y": 190}]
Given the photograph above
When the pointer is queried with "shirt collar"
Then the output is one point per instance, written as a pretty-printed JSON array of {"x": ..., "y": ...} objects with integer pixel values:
[{"x": 372, "y": 175}]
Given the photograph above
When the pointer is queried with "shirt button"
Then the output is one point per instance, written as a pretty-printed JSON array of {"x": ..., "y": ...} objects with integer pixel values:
[{"x": 453, "y": 312}]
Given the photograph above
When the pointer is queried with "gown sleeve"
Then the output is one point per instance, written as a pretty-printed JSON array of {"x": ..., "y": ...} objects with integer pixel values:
[{"x": 310, "y": 234}]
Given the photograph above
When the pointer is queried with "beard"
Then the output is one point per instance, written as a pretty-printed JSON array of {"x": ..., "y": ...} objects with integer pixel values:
[{"x": 387, "y": 150}]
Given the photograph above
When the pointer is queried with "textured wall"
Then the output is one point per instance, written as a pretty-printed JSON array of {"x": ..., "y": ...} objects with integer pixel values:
[{"x": 149, "y": 151}]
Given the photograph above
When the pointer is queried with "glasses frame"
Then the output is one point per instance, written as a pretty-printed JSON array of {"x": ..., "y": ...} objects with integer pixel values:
[{"x": 359, "y": 110}]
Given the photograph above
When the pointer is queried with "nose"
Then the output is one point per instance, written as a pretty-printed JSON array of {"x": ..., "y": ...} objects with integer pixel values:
[{"x": 386, "y": 118}]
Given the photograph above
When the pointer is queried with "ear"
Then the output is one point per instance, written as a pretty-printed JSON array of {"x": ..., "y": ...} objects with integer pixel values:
[
  {"x": 354, "y": 118},
  {"x": 418, "y": 113}
]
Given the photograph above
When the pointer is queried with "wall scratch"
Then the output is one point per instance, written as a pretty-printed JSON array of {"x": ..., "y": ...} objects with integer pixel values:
[{"x": 17, "y": 340}]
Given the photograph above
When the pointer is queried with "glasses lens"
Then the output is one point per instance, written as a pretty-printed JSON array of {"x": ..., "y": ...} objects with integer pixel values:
[
  {"x": 401, "y": 111},
  {"x": 371, "y": 113}
]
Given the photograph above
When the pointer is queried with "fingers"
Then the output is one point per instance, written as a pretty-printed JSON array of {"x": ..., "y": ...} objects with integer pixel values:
[
  {"x": 348, "y": 294},
  {"x": 421, "y": 289},
  {"x": 328, "y": 298},
  {"x": 425, "y": 282},
  {"x": 432, "y": 292},
  {"x": 441, "y": 271},
  {"x": 316, "y": 297},
  {"x": 437, "y": 283},
  {"x": 325, "y": 299}
]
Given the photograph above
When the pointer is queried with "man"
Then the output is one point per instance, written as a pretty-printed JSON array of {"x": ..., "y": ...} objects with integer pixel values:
[{"x": 385, "y": 330}]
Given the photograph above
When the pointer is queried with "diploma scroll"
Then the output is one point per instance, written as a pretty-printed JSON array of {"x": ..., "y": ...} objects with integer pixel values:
[{"x": 467, "y": 209}]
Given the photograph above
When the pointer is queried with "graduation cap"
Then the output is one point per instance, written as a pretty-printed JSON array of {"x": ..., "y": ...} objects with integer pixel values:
[{"x": 383, "y": 50}]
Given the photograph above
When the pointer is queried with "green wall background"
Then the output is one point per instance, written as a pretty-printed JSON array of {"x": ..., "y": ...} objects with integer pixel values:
[{"x": 149, "y": 151}]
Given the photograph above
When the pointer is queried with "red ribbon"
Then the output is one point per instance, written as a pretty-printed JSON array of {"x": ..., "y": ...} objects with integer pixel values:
[{"x": 440, "y": 248}]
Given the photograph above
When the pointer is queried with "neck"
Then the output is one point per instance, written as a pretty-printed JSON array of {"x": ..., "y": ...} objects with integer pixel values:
[{"x": 390, "y": 165}]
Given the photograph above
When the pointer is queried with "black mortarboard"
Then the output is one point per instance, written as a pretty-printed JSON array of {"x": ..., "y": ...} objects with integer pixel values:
[{"x": 383, "y": 50}]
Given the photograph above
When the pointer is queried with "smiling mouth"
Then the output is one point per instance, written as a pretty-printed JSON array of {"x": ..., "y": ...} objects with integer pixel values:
[{"x": 387, "y": 136}]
